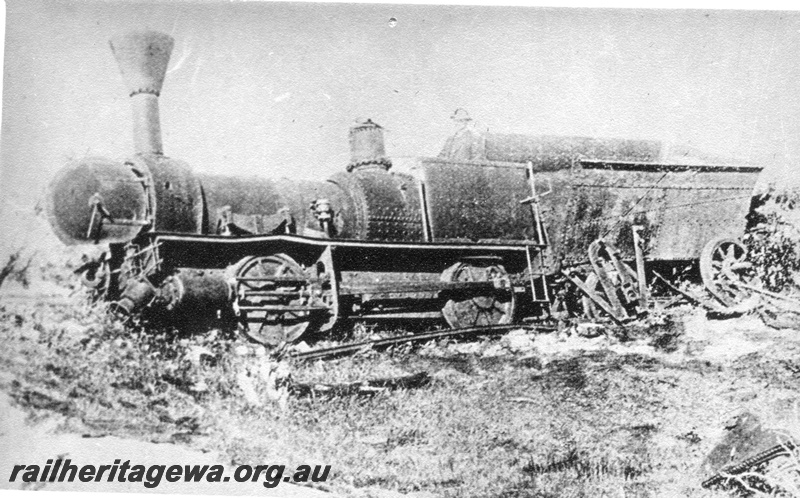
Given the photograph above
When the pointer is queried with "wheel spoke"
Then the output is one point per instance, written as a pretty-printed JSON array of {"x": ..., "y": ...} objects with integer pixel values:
[
  {"x": 723, "y": 263},
  {"x": 469, "y": 273},
  {"x": 477, "y": 315},
  {"x": 487, "y": 316},
  {"x": 476, "y": 310},
  {"x": 272, "y": 327}
]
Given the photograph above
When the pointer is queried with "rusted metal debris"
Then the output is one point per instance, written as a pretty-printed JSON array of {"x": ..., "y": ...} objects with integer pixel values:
[
  {"x": 692, "y": 299},
  {"x": 770, "y": 300},
  {"x": 591, "y": 294},
  {"x": 363, "y": 388},
  {"x": 426, "y": 336},
  {"x": 763, "y": 292},
  {"x": 731, "y": 471}
]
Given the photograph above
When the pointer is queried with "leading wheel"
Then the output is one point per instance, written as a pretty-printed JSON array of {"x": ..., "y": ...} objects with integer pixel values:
[
  {"x": 490, "y": 308},
  {"x": 271, "y": 292},
  {"x": 723, "y": 265}
]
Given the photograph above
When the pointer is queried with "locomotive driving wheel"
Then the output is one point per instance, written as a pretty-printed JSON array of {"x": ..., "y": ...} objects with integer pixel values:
[
  {"x": 272, "y": 299},
  {"x": 723, "y": 264},
  {"x": 491, "y": 308}
]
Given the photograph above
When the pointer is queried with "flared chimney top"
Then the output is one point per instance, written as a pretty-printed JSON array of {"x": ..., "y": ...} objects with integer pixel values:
[{"x": 143, "y": 57}]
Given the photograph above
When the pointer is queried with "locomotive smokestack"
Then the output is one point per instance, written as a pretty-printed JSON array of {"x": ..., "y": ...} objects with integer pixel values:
[
  {"x": 366, "y": 146},
  {"x": 143, "y": 57}
]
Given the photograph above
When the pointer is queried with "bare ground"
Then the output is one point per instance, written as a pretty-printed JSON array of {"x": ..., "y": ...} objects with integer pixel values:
[{"x": 627, "y": 413}]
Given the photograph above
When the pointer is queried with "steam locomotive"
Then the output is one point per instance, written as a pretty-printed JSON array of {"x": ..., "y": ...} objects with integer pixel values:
[{"x": 493, "y": 231}]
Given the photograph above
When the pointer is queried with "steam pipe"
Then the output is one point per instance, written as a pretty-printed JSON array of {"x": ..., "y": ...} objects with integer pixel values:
[{"x": 143, "y": 57}]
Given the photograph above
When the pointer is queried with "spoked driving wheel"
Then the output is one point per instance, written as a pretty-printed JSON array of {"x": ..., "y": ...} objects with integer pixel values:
[
  {"x": 491, "y": 307},
  {"x": 723, "y": 265},
  {"x": 272, "y": 299}
]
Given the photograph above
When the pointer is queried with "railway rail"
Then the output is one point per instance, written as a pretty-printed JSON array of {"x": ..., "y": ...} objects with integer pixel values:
[{"x": 376, "y": 344}]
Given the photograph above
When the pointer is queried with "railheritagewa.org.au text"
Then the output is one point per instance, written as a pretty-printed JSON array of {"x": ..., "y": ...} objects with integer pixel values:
[{"x": 152, "y": 475}]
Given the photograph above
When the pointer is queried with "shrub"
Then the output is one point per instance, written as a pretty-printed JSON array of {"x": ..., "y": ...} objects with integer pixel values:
[{"x": 773, "y": 237}]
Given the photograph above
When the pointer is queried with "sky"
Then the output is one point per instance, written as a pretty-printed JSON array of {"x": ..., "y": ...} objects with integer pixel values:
[{"x": 270, "y": 89}]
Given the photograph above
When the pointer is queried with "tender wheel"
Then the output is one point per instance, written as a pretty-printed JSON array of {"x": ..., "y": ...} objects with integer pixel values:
[
  {"x": 494, "y": 308},
  {"x": 723, "y": 263},
  {"x": 275, "y": 283}
]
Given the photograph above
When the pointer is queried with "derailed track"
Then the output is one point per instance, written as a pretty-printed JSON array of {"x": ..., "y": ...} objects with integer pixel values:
[{"x": 378, "y": 344}]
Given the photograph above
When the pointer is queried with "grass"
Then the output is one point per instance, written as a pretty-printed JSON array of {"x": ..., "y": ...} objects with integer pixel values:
[
  {"x": 610, "y": 421},
  {"x": 480, "y": 428}
]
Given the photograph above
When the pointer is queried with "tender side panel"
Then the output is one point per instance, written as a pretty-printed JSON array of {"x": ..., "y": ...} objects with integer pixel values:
[
  {"x": 680, "y": 207},
  {"x": 551, "y": 153},
  {"x": 717, "y": 209}
]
